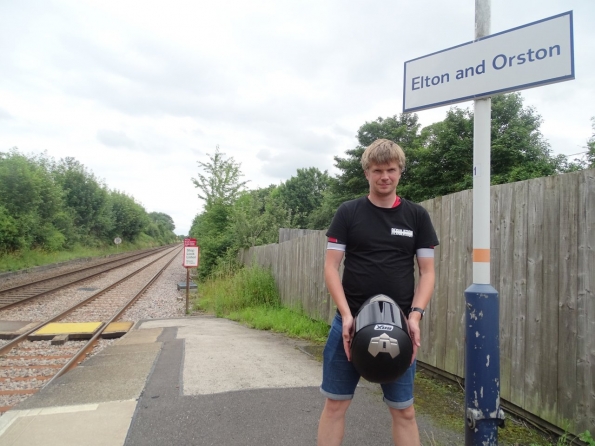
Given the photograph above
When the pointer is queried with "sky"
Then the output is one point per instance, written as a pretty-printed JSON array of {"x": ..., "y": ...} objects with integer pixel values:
[{"x": 141, "y": 91}]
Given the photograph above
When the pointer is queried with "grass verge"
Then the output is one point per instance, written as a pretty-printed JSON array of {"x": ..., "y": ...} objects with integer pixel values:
[
  {"x": 32, "y": 258},
  {"x": 249, "y": 296}
]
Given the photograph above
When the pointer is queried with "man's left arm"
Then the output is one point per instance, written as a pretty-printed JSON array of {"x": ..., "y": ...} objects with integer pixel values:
[{"x": 421, "y": 298}]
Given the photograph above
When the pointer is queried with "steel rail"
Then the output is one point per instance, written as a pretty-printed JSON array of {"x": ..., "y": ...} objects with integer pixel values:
[
  {"x": 10, "y": 345},
  {"x": 74, "y": 361},
  {"x": 542, "y": 425},
  {"x": 131, "y": 259}
]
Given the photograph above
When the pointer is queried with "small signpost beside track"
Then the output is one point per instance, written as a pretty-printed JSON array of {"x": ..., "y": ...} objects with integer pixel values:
[{"x": 191, "y": 259}]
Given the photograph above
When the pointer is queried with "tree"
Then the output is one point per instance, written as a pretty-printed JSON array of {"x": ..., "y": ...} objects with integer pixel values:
[
  {"x": 129, "y": 217},
  {"x": 32, "y": 204},
  {"x": 220, "y": 180},
  {"x": 85, "y": 198},
  {"x": 302, "y": 194},
  {"x": 591, "y": 145},
  {"x": 519, "y": 151},
  {"x": 219, "y": 187},
  {"x": 440, "y": 157},
  {"x": 351, "y": 183},
  {"x": 163, "y": 220},
  {"x": 257, "y": 216},
  {"x": 212, "y": 230},
  {"x": 444, "y": 162},
  {"x": 161, "y": 227}
]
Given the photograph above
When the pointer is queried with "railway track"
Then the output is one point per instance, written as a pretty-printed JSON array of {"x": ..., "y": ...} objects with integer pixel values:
[
  {"x": 40, "y": 355},
  {"x": 18, "y": 294}
]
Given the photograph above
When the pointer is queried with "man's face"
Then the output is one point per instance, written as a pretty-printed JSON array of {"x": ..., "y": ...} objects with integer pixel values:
[{"x": 383, "y": 178}]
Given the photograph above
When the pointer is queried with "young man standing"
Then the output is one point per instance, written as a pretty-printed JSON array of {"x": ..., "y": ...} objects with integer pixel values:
[{"x": 379, "y": 236}]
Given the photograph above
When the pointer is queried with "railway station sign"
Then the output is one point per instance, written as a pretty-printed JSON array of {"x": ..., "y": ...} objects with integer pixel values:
[
  {"x": 528, "y": 56},
  {"x": 191, "y": 253}
]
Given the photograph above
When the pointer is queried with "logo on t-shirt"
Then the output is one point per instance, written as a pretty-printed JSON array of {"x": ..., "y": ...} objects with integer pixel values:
[{"x": 402, "y": 232}]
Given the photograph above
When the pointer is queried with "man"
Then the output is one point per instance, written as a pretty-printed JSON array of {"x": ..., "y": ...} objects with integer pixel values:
[{"x": 379, "y": 235}]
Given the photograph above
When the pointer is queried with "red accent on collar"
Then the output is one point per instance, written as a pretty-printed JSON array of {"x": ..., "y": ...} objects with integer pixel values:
[{"x": 395, "y": 204}]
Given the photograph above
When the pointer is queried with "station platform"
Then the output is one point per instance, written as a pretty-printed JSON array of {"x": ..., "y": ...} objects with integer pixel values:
[{"x": 196, "y": 381}]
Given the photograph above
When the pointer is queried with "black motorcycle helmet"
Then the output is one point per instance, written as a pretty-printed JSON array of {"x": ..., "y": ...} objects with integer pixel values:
[{"x": 381, "y": 348}]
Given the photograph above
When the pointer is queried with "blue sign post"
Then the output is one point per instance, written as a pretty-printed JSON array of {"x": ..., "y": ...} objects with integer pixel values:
[
  {"x": 532, "y": 55},
  {"x": 482, "y": 347}
]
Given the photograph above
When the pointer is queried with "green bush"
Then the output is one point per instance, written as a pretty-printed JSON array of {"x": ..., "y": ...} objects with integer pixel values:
[{"x": 249, "y": 295}]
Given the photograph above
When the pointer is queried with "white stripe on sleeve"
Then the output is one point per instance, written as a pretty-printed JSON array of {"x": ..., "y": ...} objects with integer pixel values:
[
  {"x": 335, "y": 246},
  {"x": 425, "y": 252}
]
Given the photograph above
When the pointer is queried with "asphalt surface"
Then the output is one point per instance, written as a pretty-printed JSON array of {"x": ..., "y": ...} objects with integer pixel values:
[{"x": 197, "y": 381}]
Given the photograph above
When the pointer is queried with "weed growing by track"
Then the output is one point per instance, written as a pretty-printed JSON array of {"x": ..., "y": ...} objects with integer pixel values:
[
  {"x": 31, "y": 258},
  {"x": 249, "y": 295}
]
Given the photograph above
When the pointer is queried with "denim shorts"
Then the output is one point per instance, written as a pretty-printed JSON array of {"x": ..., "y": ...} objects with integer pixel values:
[{"x": 339, "y": 377}]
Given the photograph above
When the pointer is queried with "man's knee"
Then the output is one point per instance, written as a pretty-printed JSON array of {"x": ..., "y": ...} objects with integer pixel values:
[
  {"x": 403, "y": 415},
  {"x": 336, "y": 408}
]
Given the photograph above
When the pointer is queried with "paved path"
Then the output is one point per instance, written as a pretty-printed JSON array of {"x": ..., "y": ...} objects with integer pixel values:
[{"x": 195, "y": 381}]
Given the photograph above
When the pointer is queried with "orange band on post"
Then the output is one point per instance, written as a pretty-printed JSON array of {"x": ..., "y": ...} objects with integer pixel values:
[{"x": 481, "y": 255}]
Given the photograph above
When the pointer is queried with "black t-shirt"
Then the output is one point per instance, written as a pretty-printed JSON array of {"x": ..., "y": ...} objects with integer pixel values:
[{"x": 380, "y": 247}]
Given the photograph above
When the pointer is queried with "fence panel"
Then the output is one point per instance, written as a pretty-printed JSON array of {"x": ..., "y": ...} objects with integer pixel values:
[{"x": 543, "y": 266}]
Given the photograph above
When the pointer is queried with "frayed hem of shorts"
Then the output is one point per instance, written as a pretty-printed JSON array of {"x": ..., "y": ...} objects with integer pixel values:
[
  {"x": 403, "y": 405},
  {"x": 332, "y": 396}
]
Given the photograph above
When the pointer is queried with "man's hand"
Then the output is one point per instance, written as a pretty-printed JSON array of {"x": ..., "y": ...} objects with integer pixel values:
[
  {"x": 348, "y": 331},
  {"x": 414, "y": 332}
]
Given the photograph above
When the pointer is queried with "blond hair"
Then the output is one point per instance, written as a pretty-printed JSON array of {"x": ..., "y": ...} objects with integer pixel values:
[{"x": 383, "y": 151}]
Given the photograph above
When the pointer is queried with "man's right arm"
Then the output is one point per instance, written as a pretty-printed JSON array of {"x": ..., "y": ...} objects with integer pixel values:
[{"x": 335, "y": 288}]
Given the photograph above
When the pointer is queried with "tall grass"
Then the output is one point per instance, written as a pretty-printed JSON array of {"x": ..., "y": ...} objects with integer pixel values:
[
  {"x": 31, "y": 258},
  {"x": 249, "y": 295}
]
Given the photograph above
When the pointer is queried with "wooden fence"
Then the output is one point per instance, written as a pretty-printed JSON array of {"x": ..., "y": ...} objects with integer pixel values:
[{"x": 543, "y": 266}]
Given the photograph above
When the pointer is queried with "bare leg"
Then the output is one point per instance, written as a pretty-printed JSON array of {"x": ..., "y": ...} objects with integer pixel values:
[
  {"x": 332, "y": 422},
  {"x": 405, "y": 432}
]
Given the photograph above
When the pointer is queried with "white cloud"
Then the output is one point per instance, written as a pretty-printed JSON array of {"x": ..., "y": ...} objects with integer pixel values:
[
  {"x": 114, "y": 139},
  {"x": 140, "y": 91}
]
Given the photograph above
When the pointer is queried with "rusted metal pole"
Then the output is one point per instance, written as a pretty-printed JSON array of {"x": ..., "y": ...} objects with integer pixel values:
[{"x": 187, "y": 288}]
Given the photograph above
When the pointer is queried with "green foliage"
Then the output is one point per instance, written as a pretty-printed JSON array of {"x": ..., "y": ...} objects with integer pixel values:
[
  {"x": 128, "y": 216},
  {"x": 519, "y": 151},
  {"x": 444, "y": 162},
  {"x": 256, "y": 217},
  {"x": 232, "y": 218},
  {"x": 587, "y": 438},
  {"x": 303, "y": 194},
  {"x": 53, "y": 206},
  {"x": 161, "y": 227},
  {"x": 85, "y": 199},
  {"x": 31, "y": 202},
  {"x": 163, "y": 220},
  {"x": 26, "y": 258},
  {"x": 351, "y": 183},
  {"x": 282, "y": 320},
  {"x": 249, "y": 295},
  {"x": 212, "y": 229},
  {"x": 234, "y": 290},
  {"x": 9, "y": 232},
  {"x": 220, "y": 181},
  {"x": 591, "y": 146},
  {"x": 439, "y": 162},
  {"x": 440, "y": 157}
]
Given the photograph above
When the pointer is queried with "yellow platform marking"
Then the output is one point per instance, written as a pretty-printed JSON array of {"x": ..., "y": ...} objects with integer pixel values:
[
  {"x": 57, "y": 328},
  {"x": 118, "y": 327}
]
